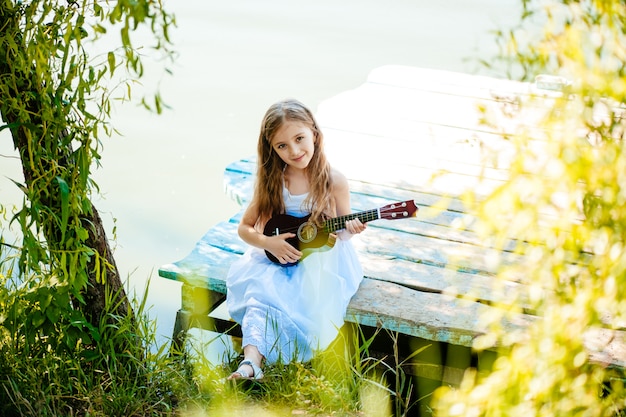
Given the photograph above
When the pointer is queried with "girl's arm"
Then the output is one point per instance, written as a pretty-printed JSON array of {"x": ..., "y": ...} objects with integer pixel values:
[
  {"x": 341, "y": 194},
  {"x": 277, "y": 245}
]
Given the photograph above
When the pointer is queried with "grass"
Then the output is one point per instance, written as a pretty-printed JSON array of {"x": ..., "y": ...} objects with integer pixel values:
[
  {"x": 345, "y": 380},
  {"x": 145, "y": 380}
]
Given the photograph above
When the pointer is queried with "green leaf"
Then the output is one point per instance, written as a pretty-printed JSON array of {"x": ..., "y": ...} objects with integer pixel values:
[
  {"x": 53, "y": 314},
  {"x": 125, "y": 37},
  {"x": 111, "y": 59},
  {"x": 37, "y": 319},
  {"x": 64, "y": 189}
]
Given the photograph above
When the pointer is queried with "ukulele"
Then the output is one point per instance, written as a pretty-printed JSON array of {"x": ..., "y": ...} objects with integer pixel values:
[{"x": 310, "y": 235}]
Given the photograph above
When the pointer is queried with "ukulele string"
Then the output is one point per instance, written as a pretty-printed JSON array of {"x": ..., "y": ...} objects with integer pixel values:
[{"x": 337, "y": 223}]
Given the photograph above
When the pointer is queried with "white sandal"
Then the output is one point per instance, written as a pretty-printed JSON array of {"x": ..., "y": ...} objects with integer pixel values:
[{"x": 257, "y": 372}]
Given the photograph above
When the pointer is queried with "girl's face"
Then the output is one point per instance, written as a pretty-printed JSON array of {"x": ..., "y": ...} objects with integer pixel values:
[{"x": 294, "y": 143}]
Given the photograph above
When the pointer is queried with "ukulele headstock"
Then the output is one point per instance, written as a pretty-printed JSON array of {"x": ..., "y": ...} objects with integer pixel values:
[{"x": 400, "y": 210}]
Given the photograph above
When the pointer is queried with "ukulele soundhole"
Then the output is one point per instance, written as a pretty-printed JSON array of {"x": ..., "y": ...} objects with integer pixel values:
[{"x": 307, "y": 232}]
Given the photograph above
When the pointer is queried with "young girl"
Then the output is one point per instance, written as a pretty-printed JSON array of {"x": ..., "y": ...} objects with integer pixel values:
[{"x": 289, "y": 312}]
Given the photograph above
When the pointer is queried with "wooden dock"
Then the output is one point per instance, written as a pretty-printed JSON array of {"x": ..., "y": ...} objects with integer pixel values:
[{"x": 405, "y": 134}]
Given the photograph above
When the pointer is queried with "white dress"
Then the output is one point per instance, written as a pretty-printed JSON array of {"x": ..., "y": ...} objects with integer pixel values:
[{"x": 290, "y": 312}]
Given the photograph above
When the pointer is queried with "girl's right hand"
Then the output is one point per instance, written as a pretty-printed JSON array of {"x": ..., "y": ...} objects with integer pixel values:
[{"x": 283, "y": 250}]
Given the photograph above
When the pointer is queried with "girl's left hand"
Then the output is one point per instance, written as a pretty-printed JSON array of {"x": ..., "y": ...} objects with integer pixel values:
[{"x": 354, "y": 226}]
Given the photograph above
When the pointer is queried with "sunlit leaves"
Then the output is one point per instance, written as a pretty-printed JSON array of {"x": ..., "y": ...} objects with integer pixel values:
[{"x": 565, "y": 202}]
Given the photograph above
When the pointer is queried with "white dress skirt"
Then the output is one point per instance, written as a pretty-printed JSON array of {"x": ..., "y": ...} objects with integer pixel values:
[{"x": 290, "y": 312}]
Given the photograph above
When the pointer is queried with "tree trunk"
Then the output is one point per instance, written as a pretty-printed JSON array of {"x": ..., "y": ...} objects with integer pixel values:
[
  {"x": 43, "y": 155},
  {"x": 96, "y": 293}
]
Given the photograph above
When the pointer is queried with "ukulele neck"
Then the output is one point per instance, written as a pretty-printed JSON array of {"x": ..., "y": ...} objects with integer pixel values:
[{"x": 339, "y": 223}]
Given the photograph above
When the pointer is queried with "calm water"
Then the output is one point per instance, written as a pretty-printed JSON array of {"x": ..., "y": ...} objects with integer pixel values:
[{"x": 161, "y": 182}]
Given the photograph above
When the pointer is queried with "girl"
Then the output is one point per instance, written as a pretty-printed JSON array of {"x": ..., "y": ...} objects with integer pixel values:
[{"x": 289, "y": 312}]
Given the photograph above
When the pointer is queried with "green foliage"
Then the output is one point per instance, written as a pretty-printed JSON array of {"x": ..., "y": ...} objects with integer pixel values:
[
  {"x": 565, "y": 204},
  {"x": 68, "y": 339},
  {"x": 56, "y": 101},
  {"x": 100, "y": 379}
]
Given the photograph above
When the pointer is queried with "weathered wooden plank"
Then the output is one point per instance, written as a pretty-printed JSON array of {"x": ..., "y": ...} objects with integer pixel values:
[
  {"x": 239, "y": 180},
  {"x": 606, "y": 346},
  {"x": 429, "y": 316},
  {"x": 443, "y": 123},
  {"x": 456, "y": 83},
  {"x": 462, "y": 157},
  {"x": 427, "y": 128},
  {"x": 207, "y": 264},
  {"x": 398, "y": 192},
  {"x": 428, "y": 278},
  {"x": 439, "y": 181},
  {"x": 430, "y": 222},
  {"x": 448, "y": 319},
  {"x": 438, "y": 252},
  {"x": 451, "y": 95}
]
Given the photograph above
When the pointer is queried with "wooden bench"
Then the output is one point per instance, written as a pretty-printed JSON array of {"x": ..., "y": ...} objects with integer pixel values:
[{"x": 423, "y": 277}]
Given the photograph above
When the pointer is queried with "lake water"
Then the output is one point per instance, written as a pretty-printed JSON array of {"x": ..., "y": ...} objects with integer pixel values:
[{"x": 161, "y": 183}]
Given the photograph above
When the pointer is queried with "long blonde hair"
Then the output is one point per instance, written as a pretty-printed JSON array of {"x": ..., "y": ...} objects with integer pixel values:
[{"x": 268, "y": 190}]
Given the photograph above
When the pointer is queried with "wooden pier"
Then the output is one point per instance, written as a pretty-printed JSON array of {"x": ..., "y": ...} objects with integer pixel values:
[{"x": 405, "y": 134}]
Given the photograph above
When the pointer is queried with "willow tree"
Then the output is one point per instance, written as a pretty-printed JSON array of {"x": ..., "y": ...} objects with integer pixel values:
[
  {"x": 575, "y": 275},
  {"x": 55, "y": 98}
]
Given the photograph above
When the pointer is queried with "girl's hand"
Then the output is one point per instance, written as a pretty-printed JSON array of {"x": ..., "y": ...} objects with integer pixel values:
[
  {"x": 281, "y": 249},
  {"x": 353, "y": 227}
]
